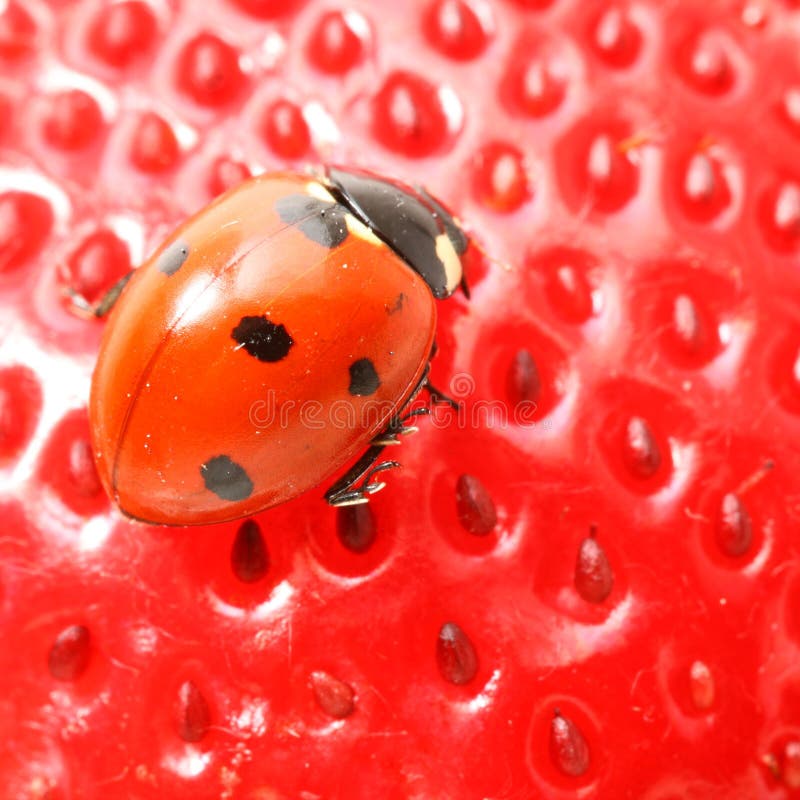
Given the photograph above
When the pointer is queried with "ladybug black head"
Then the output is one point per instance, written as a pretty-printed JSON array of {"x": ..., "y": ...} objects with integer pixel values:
[{"x": 410, "y": 221}]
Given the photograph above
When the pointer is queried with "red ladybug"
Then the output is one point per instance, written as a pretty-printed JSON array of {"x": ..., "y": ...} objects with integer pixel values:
[{"x": 275, "y": 336}]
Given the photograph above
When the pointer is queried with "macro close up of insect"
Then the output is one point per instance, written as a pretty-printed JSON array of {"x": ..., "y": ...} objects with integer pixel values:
[{"x": 248, "y": 248}]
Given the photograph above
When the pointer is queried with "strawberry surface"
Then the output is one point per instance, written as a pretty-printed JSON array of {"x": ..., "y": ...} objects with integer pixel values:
[{"x": 584, "y": 584}]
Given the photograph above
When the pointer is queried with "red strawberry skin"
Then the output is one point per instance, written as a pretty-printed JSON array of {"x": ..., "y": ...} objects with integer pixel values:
[{"x": 597, "y": 596}]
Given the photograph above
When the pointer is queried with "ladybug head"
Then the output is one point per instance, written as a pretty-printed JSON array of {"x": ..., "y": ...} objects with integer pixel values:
[{"x": 417, "y": 227}]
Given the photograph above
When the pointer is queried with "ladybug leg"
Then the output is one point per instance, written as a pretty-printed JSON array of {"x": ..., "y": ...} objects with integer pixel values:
[
  {"x": 440, "y": 397},
  {"x": 398, "y": 427},
  {"x": 356, "y": 486},
  {"x": 106, "y": 302},
  {"x": 436, "y": 395}
]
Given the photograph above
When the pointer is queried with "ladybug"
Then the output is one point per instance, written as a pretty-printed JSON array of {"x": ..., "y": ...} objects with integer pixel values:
[{"x": 275, "y": 336}]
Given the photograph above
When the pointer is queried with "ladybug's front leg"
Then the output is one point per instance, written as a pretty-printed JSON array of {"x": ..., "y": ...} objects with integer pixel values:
[
  {"x": 440, "y": 397},
  {"x": 106, "y": 302}
]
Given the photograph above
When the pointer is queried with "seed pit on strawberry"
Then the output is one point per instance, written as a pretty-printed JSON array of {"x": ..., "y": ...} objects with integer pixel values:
[
  {"x": 69, "y": 655},
  {"x": 208, "y": 70},
  {"x": 523, "y": 381},
  {"x": 568, "y": 748},
  {"x": 581, "y": 583},
  {"x": 455, "y": 655},
  {"x": 154, "y": 146},
  {"x": 735, "y": 521},
  {"x": 249, "y": 554},
  {"x": 455, "y": 29},
  {"x": 285, "y": 130},
  {"x": 336, "y": 698},
  {"x": 338, "y": 41},
  {"x": 537, "y": 76},
  {"x": 734, "y": 528},
  {"x": 81, "y": 469},
  {"x": 568, "y": 281},
  {"x": 122, "y": 33},
  {"x": 692, "y": 686},
  {"x": 641, "y": 453},
  {"x": 475, "y": 507},
  {"x": 706, "y": 186},
  {"x": 615, "y": 36},
  {"x": 474, "y": 511},
  {"x": 594, "y": 577},
  {"x": 779, "y": 216},
  {"x": 598, "y": 164},
  {"x": 192, "y": 714},
  {"x": 67, "y": 466},
  {"x": 706, "y": 62},
  {"x": 354, "y": 542},
  {"x": 72, "y": 120},
  {"x": 256, "y": 565},
  {"x": 18, "y": 31},
  {"x": 356, "y": 528},
  {"x": 563, "y": 746},
  {"x": 691, "y": 307},
  {"x": 638, "y": 450},
  {"x": 413, "y": 117},
  {"x": 527, "y": 373},
  {"x": 500, "y": 178},
  {"x": 701, "y": 686}
]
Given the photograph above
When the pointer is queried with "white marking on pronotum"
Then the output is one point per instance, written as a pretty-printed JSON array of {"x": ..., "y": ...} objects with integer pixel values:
[
  {"x": 358, "y": 228},
  {"x": 320, "y": 191},
  {"x": 451, "y": 261}
]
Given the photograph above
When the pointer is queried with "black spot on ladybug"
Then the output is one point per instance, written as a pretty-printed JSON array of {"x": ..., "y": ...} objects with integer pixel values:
[
  {"x": 321, "y": 221},
  {"x": 398, "y": 304},
  {"x": 363, "y": 378},
  {"x": 226, "y": 478},
  {"x": 262, "y": 338},
  {"x": 171, "y": 260}
]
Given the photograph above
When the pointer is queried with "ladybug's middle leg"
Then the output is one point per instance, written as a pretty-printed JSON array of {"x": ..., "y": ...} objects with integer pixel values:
[
  {"x": 435, "y": 394},
  {"x": 356, "y": 485},
  {"x": 439, "y": 396}
]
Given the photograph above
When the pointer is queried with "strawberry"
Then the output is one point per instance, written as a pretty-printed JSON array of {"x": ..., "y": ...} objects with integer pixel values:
[{"x": 583, "y": 584}]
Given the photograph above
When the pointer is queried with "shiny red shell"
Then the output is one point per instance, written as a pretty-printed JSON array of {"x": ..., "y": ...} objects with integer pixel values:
[{"x": 174, "y": 391}]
